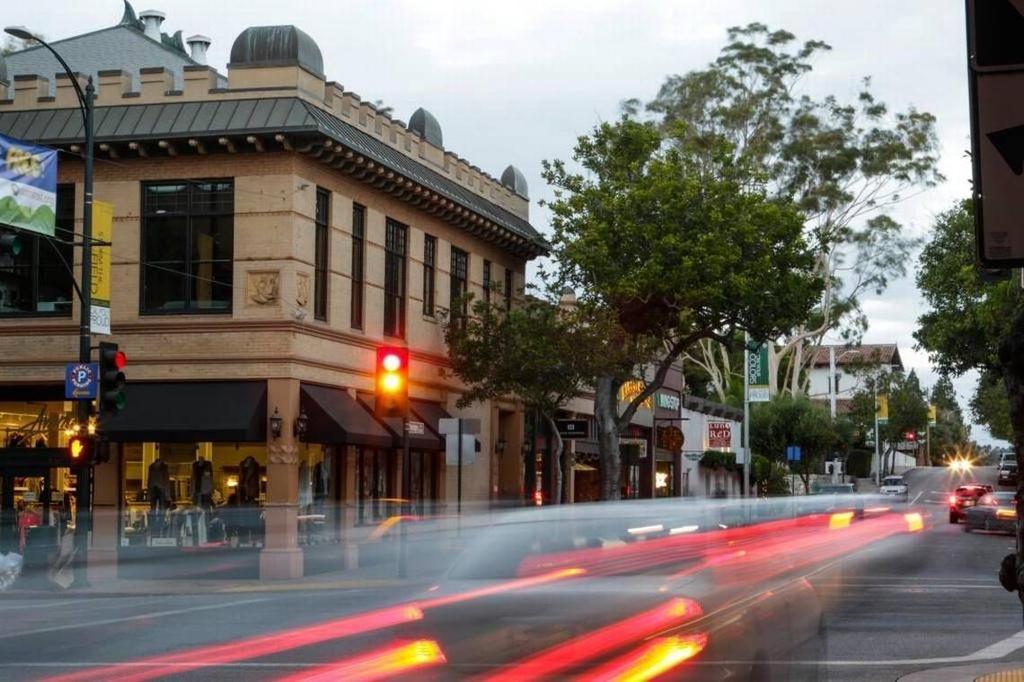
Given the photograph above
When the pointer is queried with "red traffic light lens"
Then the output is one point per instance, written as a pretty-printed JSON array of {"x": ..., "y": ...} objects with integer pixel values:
[{"x": 120, "y": 359}]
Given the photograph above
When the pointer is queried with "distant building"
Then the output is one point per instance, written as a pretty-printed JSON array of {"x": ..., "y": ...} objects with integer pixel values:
[{"x": 852, "y": 364}]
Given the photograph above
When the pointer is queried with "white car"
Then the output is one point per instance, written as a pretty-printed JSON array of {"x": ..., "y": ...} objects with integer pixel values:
[{"x": 894, "y": 485}]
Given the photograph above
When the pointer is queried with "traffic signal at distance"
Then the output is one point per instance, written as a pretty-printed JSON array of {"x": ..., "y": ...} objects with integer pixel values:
[
  {"x": 112, "y": 380},
  {"x": 81, "y": 450},
  {"x": 10, "y": 244},
  {"x": 392, "y": 394}
]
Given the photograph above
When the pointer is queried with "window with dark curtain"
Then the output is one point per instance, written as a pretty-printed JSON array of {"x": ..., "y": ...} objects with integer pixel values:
[
  {"x": 429, "y": 273},
  {"x": 487, "y": 281},
  {"x": 358, "y": 259},
  {"x": 322, "y": 251},
  {"x": 459, "y": 304},
  {"x": 395, "y": 238},
  {"x": 187, "y": 246},
  {"x": 38, "y": 280},
  {"x": 508, "y": 289}
]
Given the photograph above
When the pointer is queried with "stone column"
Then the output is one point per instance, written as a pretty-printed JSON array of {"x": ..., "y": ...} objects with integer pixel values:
[
  {"x": 106, "y": 530},
  {"x": 281, "y": 557}
]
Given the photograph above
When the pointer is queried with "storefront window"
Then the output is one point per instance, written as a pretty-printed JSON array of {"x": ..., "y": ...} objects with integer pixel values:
[
  {"x": 374, "y": 485},
  {"x": 318, "y": 517},
  {"x": 664, "y": 479},
  {"x": 193, "y": 494}
]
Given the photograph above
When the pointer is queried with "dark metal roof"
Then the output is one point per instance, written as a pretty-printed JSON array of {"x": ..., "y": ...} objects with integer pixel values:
[
  {"x": 259, "y": 46},
  {"x": 514, "y": 179},
  {"x": 289, "y": 115}
]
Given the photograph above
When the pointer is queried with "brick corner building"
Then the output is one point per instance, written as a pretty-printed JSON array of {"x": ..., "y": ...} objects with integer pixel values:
[{"x": 271, "y": 230}]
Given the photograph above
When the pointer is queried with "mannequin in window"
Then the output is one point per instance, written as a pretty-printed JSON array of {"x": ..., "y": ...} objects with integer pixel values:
[
  {"x": 159, "y": 492},
  {"x": 202, "y": 483},
  {"x": 248, "y": 481}
]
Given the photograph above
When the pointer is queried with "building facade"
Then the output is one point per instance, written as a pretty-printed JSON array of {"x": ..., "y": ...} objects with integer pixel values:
[
  {"x": 848, "y": 366},
  {"x": 271, "y": 230}
]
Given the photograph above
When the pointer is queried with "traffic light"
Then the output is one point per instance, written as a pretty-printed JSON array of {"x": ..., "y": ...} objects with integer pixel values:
[
  {"x": 911, "y": 436},
  {"x": 81, "y": 450},
  {"x": 392, "y": 395},
  {"x": 112, "y": 361},
  {"x": 10, "y": 244}
]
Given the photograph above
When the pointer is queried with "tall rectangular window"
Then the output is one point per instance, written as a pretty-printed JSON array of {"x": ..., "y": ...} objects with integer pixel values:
[
  {"x": 459, "y": 282},
  {"x": 508, "y": 289},
  {"x": 322, "y": 251},
  {"x": 358, "y": 260},
  {"x": 187, "y": 246},
  {"x": 487, "y": 281},
  {"x": 37, "y": 280},
  {"x": 394, "y": 278},
  {"x": 429, "y": 273}
]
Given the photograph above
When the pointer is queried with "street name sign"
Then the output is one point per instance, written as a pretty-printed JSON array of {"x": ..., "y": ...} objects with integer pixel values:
[
  {"x": 995, "y": 66},
  {"x": 415, "y": 428}
]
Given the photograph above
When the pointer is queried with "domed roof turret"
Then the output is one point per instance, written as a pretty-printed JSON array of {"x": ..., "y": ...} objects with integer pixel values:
[
  {"x": 514, "y": 179},
  {"x": 426, "y": 126},
  {"x": 259, "y": 46}
]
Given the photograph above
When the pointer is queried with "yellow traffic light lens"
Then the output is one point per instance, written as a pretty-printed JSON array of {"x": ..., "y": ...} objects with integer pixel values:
[
  {"x": 391, "y": 383},
  {"x": 77, "y": 448},
  {"x": 391, "y": 362}
]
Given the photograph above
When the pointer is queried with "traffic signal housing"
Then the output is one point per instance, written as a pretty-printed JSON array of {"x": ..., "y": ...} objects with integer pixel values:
[
  {"x": 81, "y": 450},
  {"x": 392, "y": 393},
  {"x": 10, "y": 244},
  {"x": 112, "y": 380}
]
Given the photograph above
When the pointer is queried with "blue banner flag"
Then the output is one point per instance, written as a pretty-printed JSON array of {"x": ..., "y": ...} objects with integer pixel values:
[{"x": 28, "y": 186}]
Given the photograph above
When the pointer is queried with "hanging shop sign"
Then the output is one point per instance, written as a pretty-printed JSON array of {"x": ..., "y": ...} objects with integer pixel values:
[
  {"x": 719, "y": 434},
  {"x": 670, "y": 438}
]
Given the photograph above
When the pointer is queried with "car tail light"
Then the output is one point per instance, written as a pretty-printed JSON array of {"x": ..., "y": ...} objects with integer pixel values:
[{"x": 952, "y": 499}]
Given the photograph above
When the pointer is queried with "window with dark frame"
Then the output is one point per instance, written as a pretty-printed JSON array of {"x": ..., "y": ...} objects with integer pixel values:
[
  {"x": 395, "y": 239},
  {"x": 322, "y": 253},
  {"x": 38, "y": 282},
  {"x": 508, "y": 289},
  {"x": 459, "y": 304},
  {"x": 358, "y": 261},
  {"x": 429, "y": 273},
  {"x": 187, "y": 246},
  {"x": 487, "y": 281}
]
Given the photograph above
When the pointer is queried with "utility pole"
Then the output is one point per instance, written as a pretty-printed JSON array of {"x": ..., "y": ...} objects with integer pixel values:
[
  {"x": 832, "y": 379},
  {"x": 745, "y": 488}
]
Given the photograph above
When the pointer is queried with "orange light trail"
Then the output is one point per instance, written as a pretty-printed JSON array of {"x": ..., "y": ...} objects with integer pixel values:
[
  {"x": 655, "y": 658},
  {"x": 393, "y": 660},
  {"x": 578, "y": 650}
]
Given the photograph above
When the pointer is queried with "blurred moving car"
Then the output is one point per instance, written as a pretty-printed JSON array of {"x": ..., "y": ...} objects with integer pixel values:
[
  {"x": 894, "y": 485},
  {"x": 994, "y": 511},
  {"x": 965, "y": 496},
  {"x": 1008, "y": 473}
]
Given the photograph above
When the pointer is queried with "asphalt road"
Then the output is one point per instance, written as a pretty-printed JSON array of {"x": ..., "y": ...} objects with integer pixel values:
[
  {"x": 898, "y": 607},
  {"x": 908, "y": 604}
]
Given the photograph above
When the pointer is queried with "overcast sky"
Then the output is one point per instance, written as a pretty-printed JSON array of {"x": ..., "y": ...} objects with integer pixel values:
[{"x": 517, "y": 82}]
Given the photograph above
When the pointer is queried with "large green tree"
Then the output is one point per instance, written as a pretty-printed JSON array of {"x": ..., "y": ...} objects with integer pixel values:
[
  {"x": 795, "y": 420},
  {"x": 842, "y": 163},
  {"x": 950, "y": 434},
  {"x": 673, "y": 254},
  {"x": 990, "y": 407},
  {"x": 539, "y": 352}
]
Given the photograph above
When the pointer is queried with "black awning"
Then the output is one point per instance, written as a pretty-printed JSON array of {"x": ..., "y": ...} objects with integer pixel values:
[
  {"x": 201, "y": 411},
  {"x": 335, "y": 417},
  {"x": 427, "y": 441}
]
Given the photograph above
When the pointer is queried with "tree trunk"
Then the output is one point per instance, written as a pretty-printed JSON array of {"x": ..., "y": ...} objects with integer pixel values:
[
  {"x": 556, "y": 458},
  {"x": 1011, "y": 357},
  {"x": 606, "y": 407}
]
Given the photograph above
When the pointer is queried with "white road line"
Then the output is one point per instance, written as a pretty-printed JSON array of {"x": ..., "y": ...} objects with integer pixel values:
[
  {"x": 127, "y": 619},
  {"x": 914, "y": 501}
]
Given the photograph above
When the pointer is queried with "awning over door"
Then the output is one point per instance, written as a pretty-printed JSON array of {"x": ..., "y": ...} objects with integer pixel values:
[
  {"x": 190, "y": 412},
  {"x": 335, "y": 417},
  {"x": 427, "y": 441}
]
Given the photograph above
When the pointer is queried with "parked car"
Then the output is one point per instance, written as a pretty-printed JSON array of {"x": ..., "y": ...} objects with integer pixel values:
[
  {"x": 965, "y": 496},
  {"x": 894, "y": 485},
  {"x": 1008, "y": 473},
  {"x": 994, "y": 511}
]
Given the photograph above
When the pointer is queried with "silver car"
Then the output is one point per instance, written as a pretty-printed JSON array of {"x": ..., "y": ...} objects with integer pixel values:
[{"x": 894, "y": 485}]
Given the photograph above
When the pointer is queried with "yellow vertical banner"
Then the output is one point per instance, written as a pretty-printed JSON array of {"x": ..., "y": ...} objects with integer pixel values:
[
  {"x": 882, "y": 408},
  {"x": 102, "y": 231},
  {"x": 933, "y": 415}
]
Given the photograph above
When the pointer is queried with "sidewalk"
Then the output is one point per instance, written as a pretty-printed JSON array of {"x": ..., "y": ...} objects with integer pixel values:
[{"x": 990, "y": 672}]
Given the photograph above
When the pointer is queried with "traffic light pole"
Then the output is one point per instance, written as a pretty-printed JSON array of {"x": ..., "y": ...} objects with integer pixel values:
[{"x": 403, "y": 542}]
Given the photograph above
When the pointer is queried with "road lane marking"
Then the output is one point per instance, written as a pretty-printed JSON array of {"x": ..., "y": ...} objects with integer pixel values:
[
  {"x": 917, "y": 498},
  {"x": 127, "y": 619}
]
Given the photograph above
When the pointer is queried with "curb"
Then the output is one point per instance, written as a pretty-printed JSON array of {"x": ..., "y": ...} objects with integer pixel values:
[
  {"x": 156, "y": 591},
  {"x": 991, "y": 672}
]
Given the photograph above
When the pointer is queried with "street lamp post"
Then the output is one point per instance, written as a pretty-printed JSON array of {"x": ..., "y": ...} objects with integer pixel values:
[{"x": 85, "y": 101}]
